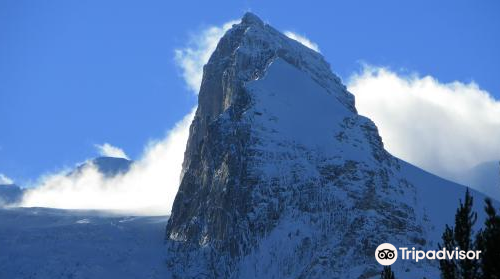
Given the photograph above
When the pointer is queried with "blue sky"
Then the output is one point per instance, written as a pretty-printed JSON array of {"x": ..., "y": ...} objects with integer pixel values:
[{"x": 78, "y": 73}]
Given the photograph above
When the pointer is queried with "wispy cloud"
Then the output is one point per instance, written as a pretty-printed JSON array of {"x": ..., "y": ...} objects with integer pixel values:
[
  {"x": 444, "y": 128},
  {"x": 303, "y": 40},
  {"x": 195, "y": 55},
  {"x": 108, "y": 150},
  {"x": 4, "y": 180}
]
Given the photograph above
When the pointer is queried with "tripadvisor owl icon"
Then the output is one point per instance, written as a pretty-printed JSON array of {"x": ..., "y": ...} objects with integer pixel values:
[{"x": 386, "y": 254}]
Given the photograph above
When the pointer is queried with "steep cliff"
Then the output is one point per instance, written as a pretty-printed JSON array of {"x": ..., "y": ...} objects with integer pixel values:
[{"x": 283, "y": 179}]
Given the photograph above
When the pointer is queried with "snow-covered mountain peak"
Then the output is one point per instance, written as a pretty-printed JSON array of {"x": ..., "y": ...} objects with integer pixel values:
[
  {"x": 248, "y": 48},
  {"x": 250, "y": 18},
  {"x": 283, "y": 179}
]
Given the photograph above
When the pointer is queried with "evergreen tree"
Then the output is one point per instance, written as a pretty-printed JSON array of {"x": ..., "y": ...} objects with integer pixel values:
[
  {"x": 489, "y": 243},
  {"x": 465, "y": 219},
  {"x": 480, "y": 246},
  {"x": 460, "y": 236},
  {"x": 448, "y": 267},
  {"x": 387, "y": 273}
]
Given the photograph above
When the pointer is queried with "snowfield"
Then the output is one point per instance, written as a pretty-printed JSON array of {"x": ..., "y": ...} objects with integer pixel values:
[{"x": 50, "y": 243}]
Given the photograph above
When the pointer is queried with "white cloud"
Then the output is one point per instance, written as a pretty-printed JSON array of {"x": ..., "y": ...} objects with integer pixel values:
[
  {"x": 152, "y": 183},
  {"x": 192, "y": 58},
  {"x": 444, "y": 128},
  {"x": 108, "y": 150},
  {"x": 148, "y": 188},
  {"x": 303, "y": 40},
  {"x": 4, "y": 180}
]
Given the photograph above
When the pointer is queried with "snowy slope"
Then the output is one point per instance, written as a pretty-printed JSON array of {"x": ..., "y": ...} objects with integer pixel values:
[
  {"x": 50, "y": 244},
  {"x": 485, "y": 177},
  {"x": 10, "y": 194},
  {"x": 283, "y": 179}
]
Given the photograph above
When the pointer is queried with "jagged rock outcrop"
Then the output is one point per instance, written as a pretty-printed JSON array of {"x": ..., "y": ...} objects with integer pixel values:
[{"x": 281, "y": 177}]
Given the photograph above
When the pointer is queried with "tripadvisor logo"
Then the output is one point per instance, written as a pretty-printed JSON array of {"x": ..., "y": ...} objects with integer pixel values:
[{"x": 387, "y": 254}]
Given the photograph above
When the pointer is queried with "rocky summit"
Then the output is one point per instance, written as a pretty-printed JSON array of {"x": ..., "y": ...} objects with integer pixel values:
[{"x": 283, "y": 179}]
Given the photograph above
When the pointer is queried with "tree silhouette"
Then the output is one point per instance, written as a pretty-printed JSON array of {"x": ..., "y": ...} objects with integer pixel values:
[
  {"x": 387, "y": 273},
  {"x": 460, "y": 236},
  {"x": 488, "y": 241}
]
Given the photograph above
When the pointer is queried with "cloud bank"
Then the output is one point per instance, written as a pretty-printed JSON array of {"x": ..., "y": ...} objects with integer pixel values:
[
  {"x": 4, "y": 180},
  {"x": 303, "y": 40},
  {"x": 148, "y": 188},
  {"x": 153, "y": 180},
  {"x": 445, "y": 128},
  {"x": 108, "y": 150}
]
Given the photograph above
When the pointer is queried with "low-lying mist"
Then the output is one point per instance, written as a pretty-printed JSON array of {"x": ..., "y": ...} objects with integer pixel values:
[{"x": 148, "y": 188}]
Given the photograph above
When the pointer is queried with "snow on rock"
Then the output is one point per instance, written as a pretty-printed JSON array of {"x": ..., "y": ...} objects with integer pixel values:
[{"x": 283, "y": 179}]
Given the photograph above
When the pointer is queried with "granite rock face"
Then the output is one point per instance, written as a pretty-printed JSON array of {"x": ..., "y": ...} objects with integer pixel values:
[{"x": 282, "y": 178}]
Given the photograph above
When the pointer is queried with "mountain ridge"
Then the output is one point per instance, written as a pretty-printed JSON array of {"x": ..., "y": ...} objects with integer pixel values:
[
  {"x": 107, "y": 166},
  {"x": 10, "y": 194},
  {"x": 283, "y": 179}
]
